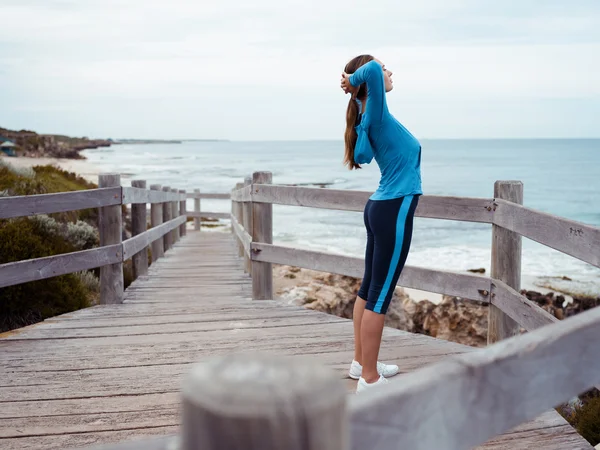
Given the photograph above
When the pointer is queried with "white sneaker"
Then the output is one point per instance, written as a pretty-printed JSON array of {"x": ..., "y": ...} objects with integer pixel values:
[
  {"x": 362, "y": 384},
  {"x": 386, "y": 370}
]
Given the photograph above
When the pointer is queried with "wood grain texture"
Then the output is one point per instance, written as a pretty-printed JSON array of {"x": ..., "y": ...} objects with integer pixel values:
[
  {"x": 243, "y": 237},
  {"x": 211, "y": 215},
  {"x": 110, "y": 224},
  {"x": 163, "y": 443},
  {"x": 449, "y": 208},
  {"x": 215, "y": 196},
  {"x": 167, "y": 211},
  {"x": 263, "y": 402},
  {"x": 52, "y": 266},
  {"x": 136, "y": 194},
  {"x": 135, "y": 244},
  {"x": 113, "y": 373},
  {"x": 182, "y": 212},
  {"x": 29, "y": 205},
  {"x": 156, "y": 219},
  {"x": 262, "y": 231},
  {"x": 469, "y": 286},
  {"x": 247, "y": 222},
  {"x": 497, "y": 388},
  {"x": 519, "y": 308},
  {"x": 138, "y": 226},
  {"x": 237, "y": 213},
  {"x": 243, "y": 194},
  {"x": 573, "y": 238},
  {"x": 196, "y": 197},
  {"x": 174, "y": 214},
  {"x": 506, "y": 263}
]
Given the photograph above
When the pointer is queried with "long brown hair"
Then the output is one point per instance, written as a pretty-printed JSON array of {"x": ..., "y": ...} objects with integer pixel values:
[{"x": 350, "y": 135}]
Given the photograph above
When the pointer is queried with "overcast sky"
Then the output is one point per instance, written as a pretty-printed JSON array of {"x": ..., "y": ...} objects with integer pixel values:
[{"x": 270, "y": 69}]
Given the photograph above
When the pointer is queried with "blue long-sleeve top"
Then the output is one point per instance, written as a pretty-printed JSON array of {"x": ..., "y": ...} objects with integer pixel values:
[{"x": 396, "y": 151}]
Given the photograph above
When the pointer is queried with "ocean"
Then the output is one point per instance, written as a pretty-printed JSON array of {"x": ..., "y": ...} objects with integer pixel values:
[{"x": 560, "y": 176}]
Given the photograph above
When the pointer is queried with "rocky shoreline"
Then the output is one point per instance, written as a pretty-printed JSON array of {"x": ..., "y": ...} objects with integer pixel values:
[
  {"x": 453, "y": 319},
  {"x": 31, "y": 144}
]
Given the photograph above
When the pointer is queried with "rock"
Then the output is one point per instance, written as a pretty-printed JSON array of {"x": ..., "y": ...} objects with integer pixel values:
[
  {"x": 555, "y": 304},
  {"x": 453, "y": 319}
]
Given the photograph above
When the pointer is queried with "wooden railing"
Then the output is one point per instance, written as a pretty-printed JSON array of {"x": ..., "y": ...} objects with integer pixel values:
[
  {"x": 265, "y": 402},
  {"x": 168, "y": 217},
  {"x": 509, "y": 310}
]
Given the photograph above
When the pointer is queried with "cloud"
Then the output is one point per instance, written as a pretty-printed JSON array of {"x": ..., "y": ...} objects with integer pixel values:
[{"x": 264, "y": 67}]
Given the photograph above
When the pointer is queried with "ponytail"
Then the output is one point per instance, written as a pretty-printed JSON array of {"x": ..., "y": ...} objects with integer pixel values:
[{"x": 350, "y": 135}]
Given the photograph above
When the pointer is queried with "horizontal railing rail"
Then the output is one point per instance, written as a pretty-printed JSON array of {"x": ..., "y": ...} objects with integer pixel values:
[
  {"x": 570, "y": 237},
  {"x": 168, "y": 217}
]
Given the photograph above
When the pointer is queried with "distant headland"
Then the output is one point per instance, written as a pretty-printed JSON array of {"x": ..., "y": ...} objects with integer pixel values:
[{"x": 33, "y": 145}]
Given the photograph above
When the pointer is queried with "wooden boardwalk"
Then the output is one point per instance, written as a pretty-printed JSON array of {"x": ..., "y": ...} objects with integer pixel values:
[{"x": 112, "y": 373}]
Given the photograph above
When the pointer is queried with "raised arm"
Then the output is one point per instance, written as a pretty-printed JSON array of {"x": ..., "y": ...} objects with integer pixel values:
[{"x": 371, "y": 73}]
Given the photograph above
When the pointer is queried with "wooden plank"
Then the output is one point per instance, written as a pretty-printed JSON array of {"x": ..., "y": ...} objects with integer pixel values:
[
  {"x": 52, "y": 266},
  {"x": 29, "y": 205},
  {"x": 215, "y": 196},
  {"x": 138, "y": 226},
  {"x": 196, "y": 197},
  {"x": 167, "y": 211},
  {"x": 79, "y": 440},
  {"x": 183, "y": 213},
  {"x": 237, "y": 213},
  {"x": 243, "y": 194},
  {"x": 212, "y": 215},
  {"x": 573, "y": 238},
  {"x": 133, "y": 245},
  {"x": 174, "y": 214},
  {"x": 241, "y": 234},
  {"x": 519, "y": 308},
  {"x": 135, "y": 195},
  {"x": 470, "y": 286},
  {"x": 110, "y": 225},
  {"x": 449, "y": 208},
  {"x": 162, "y": 443},
  {"x": 156, "y": 219},
  {"x": 506, "y": 263},
  {"x": 262, "y": 231},
  {"x": 497, "y": 388},
  {"x": 247, "y": 223}
]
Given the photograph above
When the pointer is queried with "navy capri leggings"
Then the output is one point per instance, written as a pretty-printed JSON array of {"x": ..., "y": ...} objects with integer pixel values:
[{"x": 389, "y": 226}]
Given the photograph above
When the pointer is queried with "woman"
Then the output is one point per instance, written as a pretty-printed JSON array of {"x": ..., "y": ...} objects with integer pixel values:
[{"x": 372, "y": 132}]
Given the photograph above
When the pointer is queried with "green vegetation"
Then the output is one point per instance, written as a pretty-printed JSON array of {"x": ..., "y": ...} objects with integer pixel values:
[
  {"x": 40, "y": 236},
  {"x": 585, "y": 416}
]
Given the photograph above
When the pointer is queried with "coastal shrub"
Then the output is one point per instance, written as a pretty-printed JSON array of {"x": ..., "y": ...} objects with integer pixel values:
[
  {"x": 81, "y": 235},
  {"x": 31, "y": 302},
  {"x": 587, "y": 419}
]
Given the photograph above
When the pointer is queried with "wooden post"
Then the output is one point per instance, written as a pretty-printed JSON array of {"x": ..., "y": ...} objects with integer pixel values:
[
  {"x": 183, "y": 212},
  {"x": 174, "y": 215},
  {"x": 238, "y": 213},
  {"x": 110, "y": 223},
  {"x": 138, "y": 226},
  {"x": 506, "y": 263},
  {"x": 247, "y": 224},
  {"x": 262, "y": 231},
  {"x": 156, "y": 218},
  {"x": 197, "y": 209},
  {"x": 167, "y": 211},
  {"x": 260, "y": 402}
]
